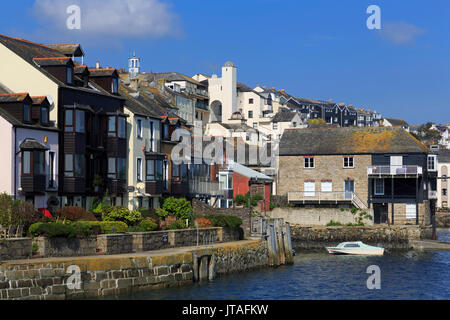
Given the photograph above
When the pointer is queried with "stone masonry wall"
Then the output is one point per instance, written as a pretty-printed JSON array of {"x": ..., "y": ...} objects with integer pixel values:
[
  {"x": 114, "y": 243},
  {"x": 48, "y": 279},
  {"x": 15, "y": 248},
  {"x": 292, "y": 174},
  {"x": 389, "y": 237},
  {"x": 316, "y": 216},
  {"x": 63, "y": 247}
]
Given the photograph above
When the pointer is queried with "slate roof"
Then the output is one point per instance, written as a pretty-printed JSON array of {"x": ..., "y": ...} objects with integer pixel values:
[
  {"x": 68, "y": 49},
  {"x": 28, "y": 51},
  {"x": 243, "y": 88},
  {"x": 31, "y": 144},
  {"x": 138, "y": 107},
  {"x": 397, "y": 122},
  {"x": 236, "y": 126},
  {"x": 59, "y": 61},
  {"x": 330, "y": 141},
  {"x": 13, "y": 97},
  {"x": 284, "y": 117},
  {"x": 106, "y": 72},
  {"x": 444, "y": 156},
  {"x": 175, "y": 76}
]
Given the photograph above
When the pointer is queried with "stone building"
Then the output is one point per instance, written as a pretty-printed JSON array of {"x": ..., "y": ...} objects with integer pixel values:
[{"x": 383, "y": 170}]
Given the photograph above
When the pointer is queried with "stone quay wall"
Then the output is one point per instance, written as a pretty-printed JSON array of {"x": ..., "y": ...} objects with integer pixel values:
[
  {"x": 63, "y": 247},
  {"x": 394, "y": 237},
  {"x": 442, "y": 220},
  {"x": 317, "y": 216},
  {"x": 20, "y": 248},
  {"x": 116, "y": 243},
  {"x": 55, "y": 279}
]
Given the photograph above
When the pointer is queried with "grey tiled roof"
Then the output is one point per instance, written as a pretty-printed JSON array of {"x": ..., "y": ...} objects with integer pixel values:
[
  {"x": 329, "y": 141},
  {"x": 444, "y": 156},
  {"x": 284, "y": 117}
]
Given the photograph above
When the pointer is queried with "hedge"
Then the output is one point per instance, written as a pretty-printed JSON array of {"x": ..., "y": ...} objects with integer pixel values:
[
  {"x": 148, "y": 225},
  {"x": 224, "y": 221},
  {"x": 108, "y": 226},
  {"x": 55, "y": 230}
]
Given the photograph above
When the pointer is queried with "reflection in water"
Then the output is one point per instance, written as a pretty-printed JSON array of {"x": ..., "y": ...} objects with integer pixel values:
[{"x": 404, "y": 275}]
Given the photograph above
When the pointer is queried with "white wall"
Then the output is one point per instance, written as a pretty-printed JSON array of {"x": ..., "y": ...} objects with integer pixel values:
[
  {"x": 6, "y": 160},
  {"x": 20, "y": 76}
]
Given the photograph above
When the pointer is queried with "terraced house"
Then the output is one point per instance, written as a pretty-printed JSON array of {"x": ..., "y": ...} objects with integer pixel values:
[
  {"x": 384, "y": 170},
  {"x": 84, "y": 106},
  {"x": 30, "y": 149}
]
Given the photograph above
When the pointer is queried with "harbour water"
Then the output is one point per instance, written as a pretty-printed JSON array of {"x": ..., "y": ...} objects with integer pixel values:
[{"x": 315, "y": 276}]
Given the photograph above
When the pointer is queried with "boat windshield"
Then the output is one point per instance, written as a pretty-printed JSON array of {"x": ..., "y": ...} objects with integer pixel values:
[{"x": 352, "y": 245}]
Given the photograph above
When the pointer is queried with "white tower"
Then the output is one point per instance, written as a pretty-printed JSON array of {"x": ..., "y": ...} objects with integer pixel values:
[
  {"x": 134, "y": 66},
  {"x": 229, "y": 90}
]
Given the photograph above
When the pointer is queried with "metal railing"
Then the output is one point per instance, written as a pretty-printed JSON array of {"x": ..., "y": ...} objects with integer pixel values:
[
  {"x": 394, "y": 170},
  {"x": 326, "y": 197},
  {"x": 204, "y": 187}
]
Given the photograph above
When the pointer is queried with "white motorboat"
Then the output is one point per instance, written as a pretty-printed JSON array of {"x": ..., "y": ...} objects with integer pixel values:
[{"x": 355, "y": 248}]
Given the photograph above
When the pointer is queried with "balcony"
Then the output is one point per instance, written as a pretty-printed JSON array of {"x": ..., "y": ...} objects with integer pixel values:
[
  {"x": 394, "y": 171},
  {"x": 154, "y": 187},
  {"x": 337, "y": 197},
  {"x": 33, "y": 183},
  {"x": 204, "y": 188}
]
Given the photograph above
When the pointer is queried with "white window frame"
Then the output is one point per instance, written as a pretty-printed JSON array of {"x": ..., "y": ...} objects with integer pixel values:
[
  {"x": 434, "y": 163},
  {"x": 408, "y": 211},
  {"x": 139, "y": 131},
  {"x": 327, "y": 186},
  {"x": 309, "y": 163},
  {"x": 348, "y": 161},
  {"x": 139, "y": 170}
]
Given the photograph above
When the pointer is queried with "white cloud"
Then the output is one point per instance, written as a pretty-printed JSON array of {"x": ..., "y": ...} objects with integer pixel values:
[
  {"x": 400, "y": 33},
  {"x": 111, "y": 18}
]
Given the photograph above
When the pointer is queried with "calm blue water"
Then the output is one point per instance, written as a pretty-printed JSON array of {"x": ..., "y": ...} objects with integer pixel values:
[{"x": 404, "y": 275}]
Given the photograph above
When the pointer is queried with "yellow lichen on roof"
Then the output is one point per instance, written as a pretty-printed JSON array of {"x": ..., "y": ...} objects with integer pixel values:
[{"x": 367, "y": 141}]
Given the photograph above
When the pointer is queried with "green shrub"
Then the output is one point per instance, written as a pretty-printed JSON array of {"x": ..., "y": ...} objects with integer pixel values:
[
  {"x": 121, "y": 214},
  {"x": 334, "y": 224},
  {"x": 55, "y": 230},
  {"x": 241, "y": 200},
  {"x": 109, "y": 227},
  {"x": 272, "y": 206},
  {"x": 149, "y": 213},
  {"x": 135, "y": 229},
  {"x": 162, "y": 214},
  {"x": 148, "y": 225},
  {"x": 224, "y": 221},
  {"x": 257, "y": 197},
  {"x": 178, "y": 207},
  {"x": 177, "y": 225},
  {"x": 34, "y": 247}
]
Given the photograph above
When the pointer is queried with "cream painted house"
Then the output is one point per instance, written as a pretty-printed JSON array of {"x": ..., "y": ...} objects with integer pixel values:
[{"x": 144, "y": 163}]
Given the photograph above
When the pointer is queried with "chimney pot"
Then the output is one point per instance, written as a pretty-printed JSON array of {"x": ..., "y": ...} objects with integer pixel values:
[{"x": 97, "y": 65}]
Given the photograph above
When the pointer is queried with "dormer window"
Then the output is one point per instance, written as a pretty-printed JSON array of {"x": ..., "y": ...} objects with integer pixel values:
[
  {"x": 26, "y": 113},
  {"x": 69, "y": 75},
  {"x": 114, "y": 85}
]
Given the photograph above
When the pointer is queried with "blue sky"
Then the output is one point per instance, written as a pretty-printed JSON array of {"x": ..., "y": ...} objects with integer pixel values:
[{"x": 318, "y": 49}]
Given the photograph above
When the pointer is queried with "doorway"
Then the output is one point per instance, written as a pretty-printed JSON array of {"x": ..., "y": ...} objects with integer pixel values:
[{"x": 380, "y": 213}]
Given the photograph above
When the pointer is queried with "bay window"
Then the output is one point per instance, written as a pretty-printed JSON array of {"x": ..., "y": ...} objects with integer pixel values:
[
  {"x": 117, "y": 127},
  {"x": 179, "y": 172},
  {"x": 117, "y": 168},
  {"x": 26, "y": 163},
  {"x": 74, "y": 165},
  {"x": 154, "y": 171},
  {"x": 33, "y": 163},
  {"x": 74, "y": 120}
]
